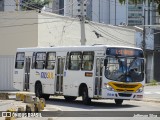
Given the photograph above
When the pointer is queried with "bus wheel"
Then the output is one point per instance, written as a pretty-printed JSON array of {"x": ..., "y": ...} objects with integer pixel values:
[
  {"x": 46, "y": 96},
  {"x": 118, "y": 101},
  {"x": 38, "y": 90},
  {"x": 70, "y": 98},
  {"x": 85, "y": 98}
]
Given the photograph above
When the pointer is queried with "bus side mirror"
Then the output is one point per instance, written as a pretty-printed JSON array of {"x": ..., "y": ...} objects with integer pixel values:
[{"x": 105, "y": 62}]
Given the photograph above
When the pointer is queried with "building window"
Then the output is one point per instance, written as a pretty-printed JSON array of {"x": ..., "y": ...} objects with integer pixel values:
[
  {"x": 19, "y": 64},
  {"x": 50, "y": 61},
  {"x": 40, "y": 60}
]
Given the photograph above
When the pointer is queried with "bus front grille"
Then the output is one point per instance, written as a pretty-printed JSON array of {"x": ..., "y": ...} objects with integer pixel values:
[
  {"x": 124, "y": 90},
  {"x": 125, "y": 85},
  {"x": 124, "y": 95}
]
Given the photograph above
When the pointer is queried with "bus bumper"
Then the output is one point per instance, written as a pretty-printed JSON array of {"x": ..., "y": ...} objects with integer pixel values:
[{"x": 106, "y": 94}]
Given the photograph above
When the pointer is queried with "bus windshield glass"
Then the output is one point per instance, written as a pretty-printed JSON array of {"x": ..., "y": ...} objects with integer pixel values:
[{"x": 127, "y": 66}]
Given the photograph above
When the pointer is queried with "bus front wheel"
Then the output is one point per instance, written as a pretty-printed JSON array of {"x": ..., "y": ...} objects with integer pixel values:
[
  {"x": 85, "y": 98},
  {"x": 118, "y": 101}
]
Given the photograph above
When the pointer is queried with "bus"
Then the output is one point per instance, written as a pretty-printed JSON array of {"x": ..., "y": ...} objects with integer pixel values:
[{"x": 93, "y": 72}]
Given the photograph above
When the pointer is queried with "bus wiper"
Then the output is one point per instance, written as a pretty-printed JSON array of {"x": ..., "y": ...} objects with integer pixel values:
[{"x": 123, "y": 75}]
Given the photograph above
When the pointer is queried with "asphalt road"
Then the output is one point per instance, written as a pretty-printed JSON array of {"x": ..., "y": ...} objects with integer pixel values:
[
  {"x": 100, "y": 106},
  {"x": 97, "y": 108}
]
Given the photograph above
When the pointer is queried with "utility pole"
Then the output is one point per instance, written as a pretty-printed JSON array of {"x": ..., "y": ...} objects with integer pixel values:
[
  {"x": 144, "y": 32},
  {"x": 99, "y": 11},
  {"x": 17, "y": 5},
  {"x": 82, "y": 22}
]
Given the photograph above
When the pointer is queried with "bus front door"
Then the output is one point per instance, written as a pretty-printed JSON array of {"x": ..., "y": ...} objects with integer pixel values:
[
  {"x": 59, "y": 75},
  {"x": 98, "y": 77},
  {"x": 27, "y": 72}
]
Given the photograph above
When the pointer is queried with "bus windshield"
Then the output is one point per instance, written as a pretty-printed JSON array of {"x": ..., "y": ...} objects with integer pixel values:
[{"x": 124, "y": 69}]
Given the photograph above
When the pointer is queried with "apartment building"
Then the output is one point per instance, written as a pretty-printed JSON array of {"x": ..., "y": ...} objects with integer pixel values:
[{"x": 8, "y": 5}]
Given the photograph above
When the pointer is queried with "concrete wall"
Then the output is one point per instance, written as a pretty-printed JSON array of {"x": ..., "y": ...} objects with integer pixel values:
[
  {"x": 6, "y": 72},
  {"x": 17, "y": 29},
  {"x": 63, "y": 31}
]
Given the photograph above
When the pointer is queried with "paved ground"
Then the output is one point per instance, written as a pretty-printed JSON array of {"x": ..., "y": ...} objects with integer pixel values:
[{"x": 152, "y": 93}]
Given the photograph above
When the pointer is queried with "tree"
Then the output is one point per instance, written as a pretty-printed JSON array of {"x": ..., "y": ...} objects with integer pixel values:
[
  {"x": 33, "y": 4},
  {"x": 136, "y": 1}
]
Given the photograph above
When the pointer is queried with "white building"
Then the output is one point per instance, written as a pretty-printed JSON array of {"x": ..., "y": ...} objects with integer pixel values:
[
  {"x": 102, "y": 11},
  {"x": 72, "y": 8},
  {"x": 112, "y": 12},
  {"x": 8, "y": 5}
]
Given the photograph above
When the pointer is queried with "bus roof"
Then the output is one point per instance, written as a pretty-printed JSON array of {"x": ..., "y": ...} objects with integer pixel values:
[{"x": 72, "y": 48}]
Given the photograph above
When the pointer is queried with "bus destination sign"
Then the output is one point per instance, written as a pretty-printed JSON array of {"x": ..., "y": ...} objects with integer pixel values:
[{"x": 124, "y": 52}]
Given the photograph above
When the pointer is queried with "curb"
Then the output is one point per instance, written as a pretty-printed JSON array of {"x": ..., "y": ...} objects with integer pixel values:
[{"x": 151, "y": 100}]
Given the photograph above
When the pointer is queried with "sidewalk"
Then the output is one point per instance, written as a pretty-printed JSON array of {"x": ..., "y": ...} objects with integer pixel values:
[{"x": 152, "y": 93}]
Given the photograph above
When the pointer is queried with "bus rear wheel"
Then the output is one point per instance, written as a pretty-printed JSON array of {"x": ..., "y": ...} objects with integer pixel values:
[
  {"x": 38, "y": 90},
  {"x": 85, "y": 98},
  {"x": 70, "y": 98},
  {"x": 46, "y": 96},
  {"x": 118, "y": 101}
]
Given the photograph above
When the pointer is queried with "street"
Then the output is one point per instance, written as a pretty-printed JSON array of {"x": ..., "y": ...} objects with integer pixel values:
[
  {"x": 152, "y": 92},
  {"x": 58, "y": 103}
]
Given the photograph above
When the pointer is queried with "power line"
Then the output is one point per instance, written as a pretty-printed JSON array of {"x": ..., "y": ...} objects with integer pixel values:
[{"x": 108, "y": 34}]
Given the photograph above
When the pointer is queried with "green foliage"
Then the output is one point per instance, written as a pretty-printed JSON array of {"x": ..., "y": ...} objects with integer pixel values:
[
  {"x": 34, "y": 4},
  {"x": 136, "y": 2},
  {"x": 153, "y": 82}
]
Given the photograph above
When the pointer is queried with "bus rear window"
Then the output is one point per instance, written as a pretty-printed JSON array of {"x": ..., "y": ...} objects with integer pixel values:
[{"x": 19, "y": 62}]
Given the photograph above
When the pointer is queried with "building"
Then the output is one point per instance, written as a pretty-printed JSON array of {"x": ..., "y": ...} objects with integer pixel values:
[
  {"x": 72, "y": 8},
  {"x": 8, "y": 5},
  {"x": 102, "y": 11},
  {"x": 55, "y": 6},
  {"x": 113, "y": 12},
  {"x": 15, "y": 31},
  {"x": 135, "y": 13}
]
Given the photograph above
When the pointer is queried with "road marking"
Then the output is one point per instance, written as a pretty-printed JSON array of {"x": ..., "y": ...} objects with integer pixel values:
[
  {"x": 151, "y": 92},
  {"x": 147, "y": 92},
  {"x": 157, "y": 92}
]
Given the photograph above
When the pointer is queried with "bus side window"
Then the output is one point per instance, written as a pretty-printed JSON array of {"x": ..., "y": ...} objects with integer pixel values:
[
  {"x": 40, "y": 60},
  {"x": 19, "y": 62},
  {"x": 75, "y": 59},
  {"x": 33, "y": 60},
  {"x": 67, "y": 62},
  {"x": 88, "y": 60},
  {"x": 50, "y": 62}
]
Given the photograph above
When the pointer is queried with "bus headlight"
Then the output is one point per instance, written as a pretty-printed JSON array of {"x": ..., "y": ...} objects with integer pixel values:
[
  {"x": 140, "y": 89},
  {"x": 109, "y": 87}
]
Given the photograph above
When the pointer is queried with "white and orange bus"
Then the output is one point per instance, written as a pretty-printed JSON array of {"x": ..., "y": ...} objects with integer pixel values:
[{"x": 93, "y": 72}]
